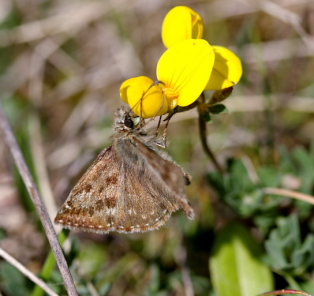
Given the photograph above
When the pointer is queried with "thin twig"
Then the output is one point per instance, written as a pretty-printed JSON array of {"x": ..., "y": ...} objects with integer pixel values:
[
  {"x": 49, "y": 265},
  {"x": 92, "y": 290},
  {"x": 11, "y": 142},
  {"x": 26, "y": 272},
  {"x": 223, "y": 9},
  {"x": 289, "y": 193},
  {"x": 188, "y": 284},
  {"x": 287, "y": 16},
  {"x": 41, "y": 168},
  {"x": 181, "y": 258},
  {"x": 285, "y": 291}
]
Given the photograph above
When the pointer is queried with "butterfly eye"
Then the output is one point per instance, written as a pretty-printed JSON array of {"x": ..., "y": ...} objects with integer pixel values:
[{"x": 128, "y": 122}]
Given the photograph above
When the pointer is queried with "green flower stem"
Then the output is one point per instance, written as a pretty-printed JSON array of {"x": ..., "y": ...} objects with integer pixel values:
[
  {"x": 203, "y": 134},
  {"x": 49, "y": 265},
  {"x": 179, "y": 109},
  {"x": 201, "y": 105}
]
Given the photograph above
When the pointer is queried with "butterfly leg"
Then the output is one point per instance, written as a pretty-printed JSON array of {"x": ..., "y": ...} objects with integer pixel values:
[{"x": 186, "y": 206}]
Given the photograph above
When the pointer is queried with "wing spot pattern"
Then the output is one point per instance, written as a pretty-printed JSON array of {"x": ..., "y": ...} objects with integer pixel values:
[{"x": 111, "y": 201}]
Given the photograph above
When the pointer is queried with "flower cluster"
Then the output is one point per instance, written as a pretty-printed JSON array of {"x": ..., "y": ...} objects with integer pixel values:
[{"x": 189, "y": 66}]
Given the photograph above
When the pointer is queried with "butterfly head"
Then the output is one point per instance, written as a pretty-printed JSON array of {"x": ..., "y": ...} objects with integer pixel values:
[{"x": 126, "y": 121}]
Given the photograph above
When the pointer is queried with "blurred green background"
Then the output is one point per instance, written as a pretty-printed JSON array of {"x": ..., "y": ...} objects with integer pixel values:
[{"x": 61, "y": 65}]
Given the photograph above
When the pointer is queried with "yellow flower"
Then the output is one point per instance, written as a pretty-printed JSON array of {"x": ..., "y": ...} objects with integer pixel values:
[
  {"x": 182, "y": 72},
  {"x": 183, "y": 23},
  {"x": 227, "y": 69},
  {"x": 184, "y": 69},
  {"x": 144, "y": 97}
]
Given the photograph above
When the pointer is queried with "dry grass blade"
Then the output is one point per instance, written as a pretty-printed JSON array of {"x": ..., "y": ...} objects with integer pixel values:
[
  {"x": 290, "y": 193},
  {"x": 11, "y": 142},
  {"x": 272, "y": 51},
  {"x": 225, "y": 9},
  {"x": 70, "y": 19},
  {"x": 26, "y": 272}
]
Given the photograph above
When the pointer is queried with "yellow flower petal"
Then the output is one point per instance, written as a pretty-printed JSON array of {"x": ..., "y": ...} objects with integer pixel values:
[
  {"x": 145, "y": 98},
  {"x": 184, "y": 69},
  {"x": 227, "y": 69},
  {"x": 181, "y": 23}
]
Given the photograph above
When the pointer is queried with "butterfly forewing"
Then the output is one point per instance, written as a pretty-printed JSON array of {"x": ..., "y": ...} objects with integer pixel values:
[{"x": 92, "y": 203}]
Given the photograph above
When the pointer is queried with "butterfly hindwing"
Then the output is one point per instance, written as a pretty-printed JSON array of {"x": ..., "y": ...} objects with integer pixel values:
[
  {"x": 152, "y": 183},
  {"x": 172, "y": 177}
]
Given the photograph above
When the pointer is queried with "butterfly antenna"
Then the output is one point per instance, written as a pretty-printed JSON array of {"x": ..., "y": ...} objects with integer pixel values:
[
  {"x": 160, "y": 117},
  {"x": 158, "y": 125},
  {"x": 167, "y": 119},
  {"x": 164, "y": 134},
  {"x": 140, "y": 101}
]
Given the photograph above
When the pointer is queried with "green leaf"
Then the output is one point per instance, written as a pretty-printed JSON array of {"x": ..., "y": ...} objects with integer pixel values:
[
  {"x": 304, "y": 256},
  {"x": 12, "y": 282},
  {"x": 235, "y": 266},
  {"x": 220, "y": 95},
  {"x": 218, "y": 108},
  {"x": 3, "y": 233},
  {"x": 287, "y": 253},
  {"x": 206, "y": 116},
  {"x": 154, "y": 284},
  {"x": 282, "y": 242},
  {"x": 308, "y": 285},
  {"x": 91, "y": 259},
  {"x": 269, "y": 176}
]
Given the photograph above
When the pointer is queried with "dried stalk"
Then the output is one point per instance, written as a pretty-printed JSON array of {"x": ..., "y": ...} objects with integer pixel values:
[
  {"x": 11, "y": 142},
  {"x": 289, "y": 193},
  {"x": 26, "y": 272},
  {"x": 285, "y": 291}
]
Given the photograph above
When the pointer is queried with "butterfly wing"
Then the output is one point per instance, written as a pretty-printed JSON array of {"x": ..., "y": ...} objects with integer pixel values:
[
  {"x": 128, "y": 188},
  {"x": 171, "y": 176},
  {"x": 152, "y": 187}
]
